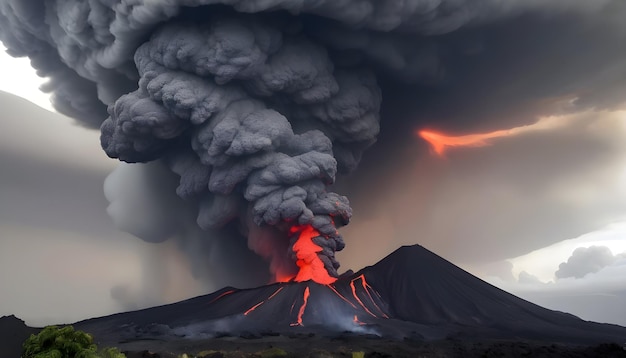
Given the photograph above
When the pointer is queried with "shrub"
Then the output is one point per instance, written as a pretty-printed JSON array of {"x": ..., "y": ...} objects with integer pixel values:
[
  {"x": 111, "y": 353},
  {"x": 272, "y": 353},
  {"x": 65, "y": 342}
]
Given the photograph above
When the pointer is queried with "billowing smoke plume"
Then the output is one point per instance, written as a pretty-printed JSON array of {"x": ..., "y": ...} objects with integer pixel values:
[
  {"x": 213, "y": 101},
  {"x": 258, "y": 105}
]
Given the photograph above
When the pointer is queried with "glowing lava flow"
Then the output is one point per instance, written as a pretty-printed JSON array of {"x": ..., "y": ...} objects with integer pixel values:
[
  {"x": 357, "y": 297},
  {"x": 358, "y": 300},
  {"x": 262, "y": 302},
  {"x": 356, "y": 321},
  {"x": 222, "y": 295},
  {"x": 306, "y": 295},
  {"x": 340, "y": 295},
  {"x": 309, "y": 264},
  {"x": 366, "y": 288}
]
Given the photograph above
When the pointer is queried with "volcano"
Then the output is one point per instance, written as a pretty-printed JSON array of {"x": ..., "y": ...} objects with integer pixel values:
[{"x": 410, "y": 294}]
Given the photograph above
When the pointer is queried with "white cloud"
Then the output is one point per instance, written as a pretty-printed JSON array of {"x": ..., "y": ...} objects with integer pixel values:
[
  {"x": 596, "y": 297},
  {"x": 526, "y": 278},
  {"x": 597, "y": 294},
  {"x": 544, "y": 262},
  {"x": 585, "y": 260}
]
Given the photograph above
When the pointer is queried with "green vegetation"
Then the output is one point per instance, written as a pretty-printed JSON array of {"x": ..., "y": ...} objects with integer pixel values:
[
  {"x": 111, "y": 352},
  {"x": 65, "y": 342},
  {"x": 267, "y": 353},
  {"x": 272, "y": 353},
  {"x": 358, "y": 354}
]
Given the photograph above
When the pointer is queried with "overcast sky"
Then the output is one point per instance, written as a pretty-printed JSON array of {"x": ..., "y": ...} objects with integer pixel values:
[
  {"x": 540, "y": 213},
  {"x": 60, "y": 254}
]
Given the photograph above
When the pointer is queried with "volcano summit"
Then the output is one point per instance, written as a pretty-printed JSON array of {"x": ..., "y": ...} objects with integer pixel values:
[{"x": 412, "y": 294}]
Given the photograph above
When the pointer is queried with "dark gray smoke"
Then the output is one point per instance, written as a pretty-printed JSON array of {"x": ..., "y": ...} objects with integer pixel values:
[
  {"x": 213, "y": 100},
  {"x": 257, "y": 105}
]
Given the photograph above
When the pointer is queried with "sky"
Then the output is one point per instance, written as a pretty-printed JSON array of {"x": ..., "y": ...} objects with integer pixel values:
[
  {"x": 533, "y": 203},
  {"x": 57, "y": 240}
]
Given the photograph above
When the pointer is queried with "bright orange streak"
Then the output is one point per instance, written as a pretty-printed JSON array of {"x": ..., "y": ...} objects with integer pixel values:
[
  {"x": 440, "y": 142},
  {"x": 311, "y": 267},
  {"x": 275, "y": 293},
  {"x": 340, "y": 295},
  {"x": 253, "y": 308},
  {"x": 366, "y": 287},
  {"x": 262, "y": 302},
  {"x": 357, "y": 297},
  {"x": 222, "y": 295},
  {"x": 303, "y": 307},
  {"x": 356, "y": 320}
]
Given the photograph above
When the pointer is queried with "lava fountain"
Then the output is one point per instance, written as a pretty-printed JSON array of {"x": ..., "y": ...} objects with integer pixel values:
[{"x": 306, "y": 251}]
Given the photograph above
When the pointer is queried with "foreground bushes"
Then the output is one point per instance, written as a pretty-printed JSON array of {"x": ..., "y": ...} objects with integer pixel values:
[{"x": 65, "y": 342}]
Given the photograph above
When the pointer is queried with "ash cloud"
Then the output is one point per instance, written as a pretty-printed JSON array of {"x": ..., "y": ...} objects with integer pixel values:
[
  {"x": 143, "y": 202},
  {"x": 254, "y": 109}
]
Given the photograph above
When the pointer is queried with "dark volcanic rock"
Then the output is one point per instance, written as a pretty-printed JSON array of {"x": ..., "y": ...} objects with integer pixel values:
[
  {"x": 410, "y": 296},
  {"x": 304, "y": 307},
  {"x": 421, "y": 287},
  {"x": 13, "y": 332}
]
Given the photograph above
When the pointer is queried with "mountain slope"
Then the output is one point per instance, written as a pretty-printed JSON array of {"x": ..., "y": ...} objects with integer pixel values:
[
  {"x": 410, "y": 293},
  {"x": 421, "y": 287}
]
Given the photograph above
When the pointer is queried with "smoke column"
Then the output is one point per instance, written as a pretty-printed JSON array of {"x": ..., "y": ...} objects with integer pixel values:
[{"x": 254, "y": 107}]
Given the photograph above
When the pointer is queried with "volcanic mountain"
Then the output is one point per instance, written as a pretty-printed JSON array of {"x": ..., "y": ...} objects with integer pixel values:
[{"x": 412, "y": 293}]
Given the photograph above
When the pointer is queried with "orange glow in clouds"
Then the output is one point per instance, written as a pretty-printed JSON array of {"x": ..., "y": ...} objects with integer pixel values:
[{"x": 440, "y": 142}]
